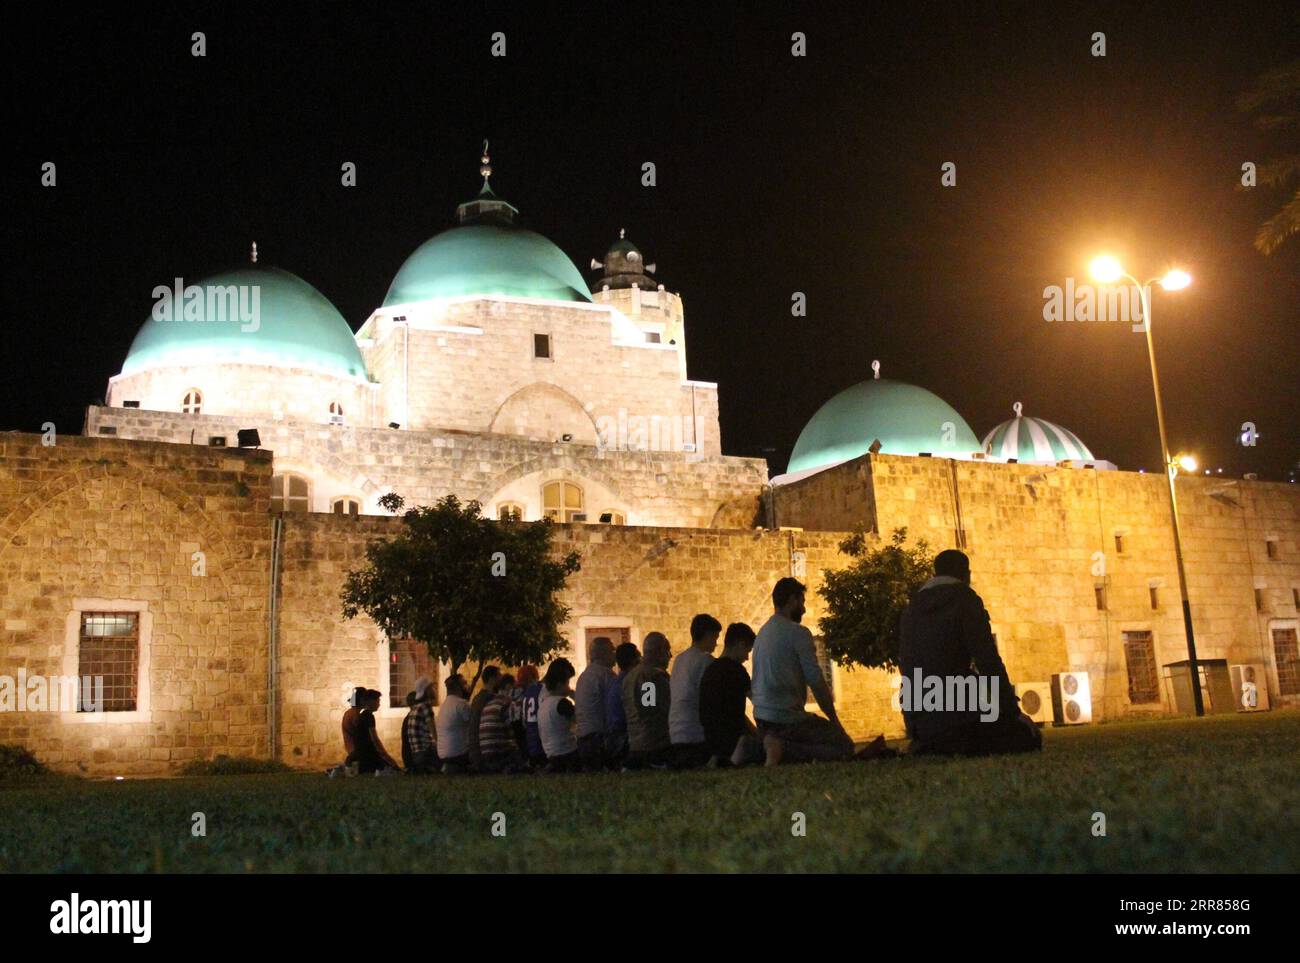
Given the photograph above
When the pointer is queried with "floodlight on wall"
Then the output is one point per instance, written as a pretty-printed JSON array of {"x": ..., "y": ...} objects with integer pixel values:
[
  {"x": 875, "y": 447},
  {"x": 393, "y": 424},
  {"x": 566, "y": 438},
  {"x": 607, "y": 517},
  {"x": 249, "y": 438}
]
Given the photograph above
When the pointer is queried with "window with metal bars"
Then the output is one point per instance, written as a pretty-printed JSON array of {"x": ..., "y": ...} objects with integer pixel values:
[
  {"x": 408, "y": 659},
  {"x": 1140, "y": 658},
  {"x": 110, "y": 649},
  {"x": 1287, "y": 657}
]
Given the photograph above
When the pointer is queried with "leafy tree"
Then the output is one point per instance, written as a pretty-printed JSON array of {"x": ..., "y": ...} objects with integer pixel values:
[
  {"x": 472, "y": 589},
  {"x": 1274, "y": 100},
  {"x": 864, "y": 600}
]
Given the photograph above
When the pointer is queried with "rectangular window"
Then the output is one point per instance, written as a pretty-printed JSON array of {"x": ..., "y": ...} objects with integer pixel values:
[
  {"x": 1100, "y": 590},
  {"x": 1119, "y": 543},
  {"x": 1287, "y": 657},
  {"x": 1272, "y": 548},
  {"x": 1259, "y": 600},
  {"x": 1155, "y": 598},
  {"x": 408, "y": 659},
  {"x": 110, "y": 649},
  {"x": 1295, "y": 597},
  {"x": 653, "y": 337},
  {"x": 1140, "y": 658},
  {"x": 541, "y": 346}
]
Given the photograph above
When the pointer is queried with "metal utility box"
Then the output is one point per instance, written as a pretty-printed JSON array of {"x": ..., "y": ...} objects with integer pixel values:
[{"x": 1215, "y": 681}]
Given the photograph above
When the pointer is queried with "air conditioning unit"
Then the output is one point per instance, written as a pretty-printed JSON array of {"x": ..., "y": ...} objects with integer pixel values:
[
  {"x": 579, "y": 516},
  {"x": 1071, "y": 698},
  {"x": 1249, "y": 687},
  {"x": 1036, "y": 700},
  {"x": 336, "y": 419}
]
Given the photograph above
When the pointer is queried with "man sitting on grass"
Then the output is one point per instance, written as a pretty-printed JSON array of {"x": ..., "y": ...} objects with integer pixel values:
[
  {"x": 689, "y": 746},
  {"x": 945, "y": 634},
  {"x": 647, "y": 697},
  {"x": 785, "y": 667},
  {"x": 498, "y": 751},
  {"x": 491, "y": 680},
  {"x": 368, "y": 754},
  {"x": 419, "y": 751},
  {"x": 730, "y": 737},
  {"x": 453, "y": 727},
  {"x": 589, "y": 698}
]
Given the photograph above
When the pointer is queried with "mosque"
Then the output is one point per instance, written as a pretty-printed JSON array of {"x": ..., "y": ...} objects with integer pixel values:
[{"x": 189, "y": 547}]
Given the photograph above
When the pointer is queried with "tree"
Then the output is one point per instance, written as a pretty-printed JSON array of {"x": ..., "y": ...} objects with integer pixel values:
[
  {"x": 1275, "y": 101},
  {"x": 471, "y": 588},
  {"x": 864, "y": 600}
]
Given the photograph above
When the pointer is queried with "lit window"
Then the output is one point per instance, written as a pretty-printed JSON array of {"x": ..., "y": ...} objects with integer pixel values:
[
  {"x": 345, "y": 506},
  {"x": 562, "y": 502},
  {"x": 541, "y": 346},
  {"x": 1287, "y": 656},
  {"x": 1140, "y": 659},
  {"x": 408, "y": 659},
  {"x": 508, "y": 510},
  {"x": 192, "y": 403},
  {"x": 110, "y": 650},
  {"x": 336, "y": 413},
  {"x": 289, "y": 493}
]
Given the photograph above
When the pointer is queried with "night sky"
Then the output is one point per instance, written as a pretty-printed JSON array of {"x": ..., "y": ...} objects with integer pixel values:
[{"x": 776, "y": 174}]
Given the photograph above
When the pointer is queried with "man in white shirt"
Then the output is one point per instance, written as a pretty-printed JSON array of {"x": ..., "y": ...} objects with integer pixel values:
[
  {"x": 785, "y": 667},
  {"x": 589, "y": 696},
  {"x": 453, "y": 727},
  {"x": 684, "y": 728}
]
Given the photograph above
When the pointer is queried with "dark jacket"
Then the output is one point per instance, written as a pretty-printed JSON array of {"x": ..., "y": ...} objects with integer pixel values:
[{"x": 945, "y": 632}]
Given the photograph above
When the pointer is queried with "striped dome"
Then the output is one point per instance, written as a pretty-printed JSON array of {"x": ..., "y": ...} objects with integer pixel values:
[{"x": 1034, "y": 441}]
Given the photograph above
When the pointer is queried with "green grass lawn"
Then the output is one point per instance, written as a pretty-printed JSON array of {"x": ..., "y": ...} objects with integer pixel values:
[{"x": 1209, "y": 795}]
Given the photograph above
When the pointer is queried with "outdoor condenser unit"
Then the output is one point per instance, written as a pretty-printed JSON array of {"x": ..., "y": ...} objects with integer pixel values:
[
  {"x": 1036, "y": 700},
  {"x": 1249, "y": 687},
  {"x": 1071, "y": 698}
]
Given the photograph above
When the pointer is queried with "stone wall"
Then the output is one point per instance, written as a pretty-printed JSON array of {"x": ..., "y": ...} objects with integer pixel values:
[
  {"x": 1042, "y": 540},
  {"x": 469, "y": 357},
  {"x": 93, "y": 524},
  {"x": 649, "y": 488}
]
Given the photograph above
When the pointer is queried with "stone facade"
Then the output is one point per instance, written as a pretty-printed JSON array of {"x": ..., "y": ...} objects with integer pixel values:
[
  {"x": 101, "y": 524},
  {"x": 1043, "y": 540},
  {"x": 670, "y": 488}
]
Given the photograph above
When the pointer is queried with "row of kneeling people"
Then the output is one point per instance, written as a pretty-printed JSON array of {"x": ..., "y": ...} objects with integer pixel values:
[{"x": 625, "y": 711}]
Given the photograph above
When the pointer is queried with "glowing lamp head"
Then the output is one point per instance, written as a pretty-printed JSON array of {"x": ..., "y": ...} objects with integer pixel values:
[
  {"x": 1175, "y": 280},
  {"x": 1106, "y": 269},
  {"x": 1186, "y": 462}
]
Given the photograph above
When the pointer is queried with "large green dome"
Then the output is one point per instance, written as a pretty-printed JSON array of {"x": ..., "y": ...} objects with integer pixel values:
[
  {"x": 487, "y": 259},
  {"x": 907, "y": 420},
  {"x": 294, "y": 326}
]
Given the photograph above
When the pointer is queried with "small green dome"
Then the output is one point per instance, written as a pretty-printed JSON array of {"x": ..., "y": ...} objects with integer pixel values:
[
  {"x": 907, "y": 420},
  {"x": 1034, "y": 441},
  {"x": 293, "y": 326},
  {"x": 487, "y": 259}
]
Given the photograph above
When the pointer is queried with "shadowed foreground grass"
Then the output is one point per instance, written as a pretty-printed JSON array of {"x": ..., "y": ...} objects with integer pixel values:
[{"x": 1211, "y": 795}]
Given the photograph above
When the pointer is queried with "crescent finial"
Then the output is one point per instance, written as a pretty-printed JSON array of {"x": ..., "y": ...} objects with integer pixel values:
[
  {"x": 875, "y": 369},
  {"x": 1017, "y": 408}
]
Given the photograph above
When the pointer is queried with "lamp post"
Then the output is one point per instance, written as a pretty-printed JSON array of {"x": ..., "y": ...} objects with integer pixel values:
[{"x": 1108, "y": 270}]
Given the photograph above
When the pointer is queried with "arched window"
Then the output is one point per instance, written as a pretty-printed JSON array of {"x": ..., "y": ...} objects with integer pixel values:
[
  {"x": 562, "y": 502},
  {"x": 345, "y": 506},
  {"x": 510, "y": 510},
  {"x": 290, "y": 493},
  {"x": 192, "y": 403},
  {"x": 336, "y": 413}
]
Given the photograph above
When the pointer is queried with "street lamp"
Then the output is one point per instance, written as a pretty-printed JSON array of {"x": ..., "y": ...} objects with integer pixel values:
[{"x": 1108, "y": 270}]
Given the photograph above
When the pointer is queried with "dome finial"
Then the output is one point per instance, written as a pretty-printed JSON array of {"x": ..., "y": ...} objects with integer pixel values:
[
  {"x": 875, "y": 369},
  {"x": 485, "y": 164},
  {"x": 1017, "y": 408},
  {"x": 621, "y": 232},
  {"x": 254, "y": 254}
]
